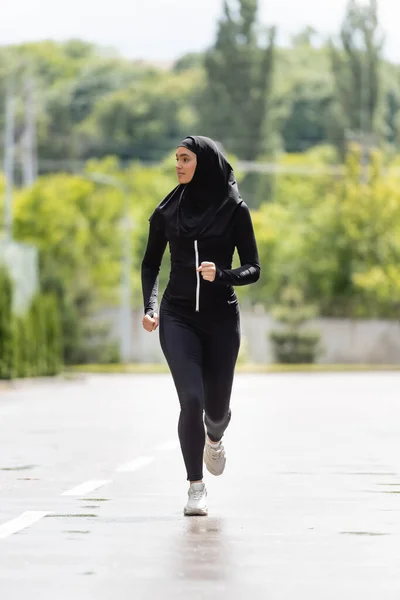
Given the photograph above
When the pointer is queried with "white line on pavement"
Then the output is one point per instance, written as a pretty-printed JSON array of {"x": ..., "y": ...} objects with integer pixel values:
[
  {"x": 25, "y": 520},
  {"x": 136, "y": 464},
  {"x": 171, "y": 445},
  {"x": 86, "y": 487}
]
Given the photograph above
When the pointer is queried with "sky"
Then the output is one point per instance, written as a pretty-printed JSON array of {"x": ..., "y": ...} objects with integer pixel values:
[{"x": 165, "y": 29}]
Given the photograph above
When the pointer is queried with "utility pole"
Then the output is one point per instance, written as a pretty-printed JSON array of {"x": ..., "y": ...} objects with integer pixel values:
[
  {"x": 9, "y": 158},
  {"x": 29, "y": 139}
]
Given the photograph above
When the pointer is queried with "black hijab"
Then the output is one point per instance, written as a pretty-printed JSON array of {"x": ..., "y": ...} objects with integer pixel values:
[{"x": 206, "y": 204}]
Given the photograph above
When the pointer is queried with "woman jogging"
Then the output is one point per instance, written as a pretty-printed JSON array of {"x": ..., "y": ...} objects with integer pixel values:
[{"x": 203, "y": 219}]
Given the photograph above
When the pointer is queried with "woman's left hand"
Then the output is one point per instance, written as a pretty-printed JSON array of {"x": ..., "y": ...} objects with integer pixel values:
[{"x": 208, "y": 271}]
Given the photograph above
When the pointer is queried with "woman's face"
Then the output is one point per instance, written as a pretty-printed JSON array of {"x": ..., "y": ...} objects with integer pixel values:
[{"x": 186, "y": 162}]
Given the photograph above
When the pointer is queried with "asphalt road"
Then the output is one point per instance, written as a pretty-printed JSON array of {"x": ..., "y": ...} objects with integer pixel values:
[{"x": 92, "y": 488}]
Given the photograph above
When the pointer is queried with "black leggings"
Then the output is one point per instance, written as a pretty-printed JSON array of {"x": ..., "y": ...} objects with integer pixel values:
[{"x": 201, "y": 350}]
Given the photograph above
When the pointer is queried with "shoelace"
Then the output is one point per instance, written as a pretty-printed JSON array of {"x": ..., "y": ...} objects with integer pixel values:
[
  {"x": 216, "y": 453},
  {"x": 196, "y": 495}
]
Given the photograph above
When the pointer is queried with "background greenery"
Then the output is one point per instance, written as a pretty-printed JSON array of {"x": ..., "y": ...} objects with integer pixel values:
[
  {"x": 321, "y": 116},
  {"x": 31, "y": 344}
]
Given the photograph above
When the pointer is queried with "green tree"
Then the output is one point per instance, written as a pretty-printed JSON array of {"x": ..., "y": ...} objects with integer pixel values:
[
  {"x": 75, "y": 225},
  {"x": 38, "y": 316},
  {"x": 303, "y": 96},
  {"x": 20, "y": 366},
  {"x": 52, "y": 335},
  {"x": 239, "y": 69},
  {"x": 336, "y": 238},
  {"x": 6, "y": 326},
  {"x": 142, "y": 121},
  {"x": 25, "y": 346},
  {"x": 36, "y": 339},
  {"x": 304, "y": 38},
  {"x": 294, "y": 343},
  {"x": 356, "y": 64},
  {"x": 188, "y": 62}
]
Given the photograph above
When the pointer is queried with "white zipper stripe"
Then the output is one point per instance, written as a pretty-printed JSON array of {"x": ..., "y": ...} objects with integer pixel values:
[{"x": 196, "y": 253}]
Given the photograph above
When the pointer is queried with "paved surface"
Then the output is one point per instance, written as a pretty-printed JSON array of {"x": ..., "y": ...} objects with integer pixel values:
[{"x": 309, "y": 506}]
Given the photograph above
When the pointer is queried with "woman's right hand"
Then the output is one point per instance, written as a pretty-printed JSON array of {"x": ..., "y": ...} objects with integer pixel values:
[{"x": 150, "y": 324}]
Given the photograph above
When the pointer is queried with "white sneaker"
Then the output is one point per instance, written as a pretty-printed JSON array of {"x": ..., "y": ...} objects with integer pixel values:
[
  {"x": 197, "y": 501},
  {"x": 214, "y": 457}
]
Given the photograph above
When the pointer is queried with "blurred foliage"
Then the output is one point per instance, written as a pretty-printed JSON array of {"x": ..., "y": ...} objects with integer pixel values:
[
  {"x": 356, "y": 65},
  {"x": 76, "y": 225},
  {"x": 293, "y": 343},
  {"x": 233, "y": 107},
  {"x": 336, "y": 238},
  {"x": 331, "y": 230},
  {"x": 6, "y": 326},
  {"x": 245, "y": 91},
  {"x": 235, "y": 104},
  {"x": 30, "y": 344},
  {"x": 91, "y": 104}
]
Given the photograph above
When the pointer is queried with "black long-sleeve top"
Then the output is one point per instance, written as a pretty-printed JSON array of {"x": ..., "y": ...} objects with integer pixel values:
[{"x": 185, "y": 287}]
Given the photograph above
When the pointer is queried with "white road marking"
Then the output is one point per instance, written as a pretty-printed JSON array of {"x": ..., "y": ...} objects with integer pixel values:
[
  {"x": 84, "y": 488},
  {"x": 171, "y": 445},
  {"x": 136, "y": 464},
  {"x": 25, "y": 520}
]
